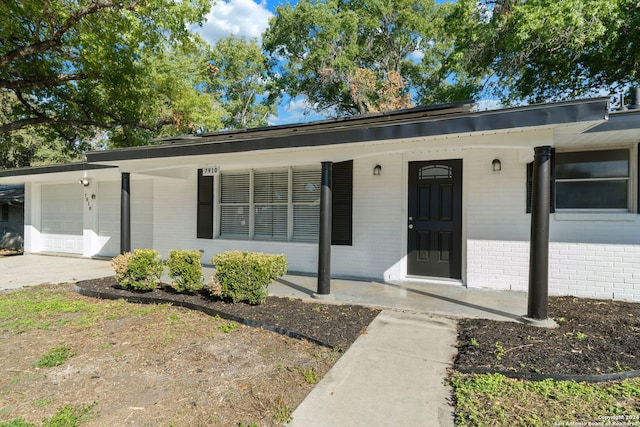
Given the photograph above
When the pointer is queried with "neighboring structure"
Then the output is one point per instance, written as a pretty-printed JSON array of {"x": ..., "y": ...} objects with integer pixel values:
[
  {"x": 11, "y": 217},
  {"x": 436, "y": 194}
]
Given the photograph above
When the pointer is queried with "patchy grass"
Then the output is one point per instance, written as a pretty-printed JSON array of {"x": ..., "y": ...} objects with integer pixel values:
[
  {"x": 138, "y": 363},
  {"x": 55, "y": 357},
  {"x": 50, "y": 307},
  {"x": 495, "y": 400},
  {"x": 67, "y": 416}
]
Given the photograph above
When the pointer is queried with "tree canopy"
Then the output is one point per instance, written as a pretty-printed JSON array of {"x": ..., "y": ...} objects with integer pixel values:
[
  {"x": 239, "y": 77},
  {"x": 82, "y": 74},
  {"x": 352, "y": 57},
  {"x": 83, "y": 68},
  {"x": 544, "y": 50}
]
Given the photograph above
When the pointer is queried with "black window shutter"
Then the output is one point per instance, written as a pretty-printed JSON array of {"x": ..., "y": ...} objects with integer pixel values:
[
  {"x": 552, "y": 195},
  {"x": 205, "y": 206},
  {"x": 342, "y": 206}
]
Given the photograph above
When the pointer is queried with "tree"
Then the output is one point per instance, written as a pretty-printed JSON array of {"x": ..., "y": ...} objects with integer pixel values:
[
  {"x": 84, "y": 68},
  {"x": 30, "y": 147},
  {"x": 351, "y": 57},
  {"x": 239, "y": 77},
  {"x": 544, "y": 50}
]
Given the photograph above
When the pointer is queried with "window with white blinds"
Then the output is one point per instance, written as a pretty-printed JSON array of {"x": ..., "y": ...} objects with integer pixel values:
[
  {"x": 270, "y": 205},
  {"x": 280, "y": 204},
  {"x": 234, "y": 205},
  {"x": 306, "y": 204}
]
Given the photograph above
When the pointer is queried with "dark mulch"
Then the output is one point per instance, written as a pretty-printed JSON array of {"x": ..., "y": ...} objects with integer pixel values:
[
  {"x": 332, "y": 325},
  {"x": 594, "y": 337}
]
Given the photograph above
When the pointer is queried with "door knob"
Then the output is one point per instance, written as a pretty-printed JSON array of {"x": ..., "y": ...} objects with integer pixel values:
[{"x": 410, "y": 226}]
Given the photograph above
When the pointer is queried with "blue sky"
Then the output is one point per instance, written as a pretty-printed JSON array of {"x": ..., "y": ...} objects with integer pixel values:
[{"x": 250, "y": 18}]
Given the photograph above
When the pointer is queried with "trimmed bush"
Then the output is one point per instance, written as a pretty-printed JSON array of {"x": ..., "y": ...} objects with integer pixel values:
[
  {"x": 139, "y": 271},
  {"x": 185, "y": 269},
  {"x": 245, "y": 276}
]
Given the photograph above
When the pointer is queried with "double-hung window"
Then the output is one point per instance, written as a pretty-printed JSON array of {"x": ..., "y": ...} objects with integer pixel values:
[
  {"x": 234, "y": 205},
  {"x": 593, "y": 180},
  {"x": 279, "y": 204},
  {"x": 271, "y": 205}
]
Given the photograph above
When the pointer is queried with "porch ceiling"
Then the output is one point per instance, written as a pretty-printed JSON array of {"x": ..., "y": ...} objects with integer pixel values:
[{"x": 622, "y": 128}]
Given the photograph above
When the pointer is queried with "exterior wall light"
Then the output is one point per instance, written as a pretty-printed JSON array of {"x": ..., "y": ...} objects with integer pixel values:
[
  {"x": 497, "y": 165},
  {"x": 84, "y": 182},
  {"x": 376, "y": 170}
]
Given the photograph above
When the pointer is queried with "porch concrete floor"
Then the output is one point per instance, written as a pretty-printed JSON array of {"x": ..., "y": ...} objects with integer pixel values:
[{"x": 446, "y": 300}]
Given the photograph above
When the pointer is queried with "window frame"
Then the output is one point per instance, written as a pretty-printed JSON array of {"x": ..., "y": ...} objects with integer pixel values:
[
  {"x": 252, "y": 205},
  {"x": 631, "y": 180},
  {"x": 633, "y": 186}
]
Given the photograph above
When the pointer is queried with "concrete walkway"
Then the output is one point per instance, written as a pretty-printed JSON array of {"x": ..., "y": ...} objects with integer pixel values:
[
  {"x": 391, "y": 376},
  {"x": 30, "y": 270}
]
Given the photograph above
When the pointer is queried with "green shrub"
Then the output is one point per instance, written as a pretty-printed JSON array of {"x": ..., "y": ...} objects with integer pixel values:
[
  {"x": 185, "y": 269},
  {"x": 140, "y": 271},
  {"x": 245, "y": 276}
]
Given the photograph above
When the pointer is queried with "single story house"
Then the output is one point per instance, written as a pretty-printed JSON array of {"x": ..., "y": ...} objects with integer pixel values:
[
  {"x": 437, "y": 194},
  {"x": 11, "y": 217}
]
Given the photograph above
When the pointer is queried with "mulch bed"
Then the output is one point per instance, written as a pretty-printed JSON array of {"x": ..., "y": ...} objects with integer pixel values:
[
  {"x": 595, "y": 338},
  {"x": 331, "y": 325}
]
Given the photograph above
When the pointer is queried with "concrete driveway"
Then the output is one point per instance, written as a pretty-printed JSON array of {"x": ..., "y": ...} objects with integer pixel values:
[{"x": 30, "y": 270}]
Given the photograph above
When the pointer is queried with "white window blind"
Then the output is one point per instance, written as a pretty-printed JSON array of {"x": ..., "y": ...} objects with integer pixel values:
[
  {"x": 234, "y": 205},
  {"x": 306, "y": 204},
  {"x": 270, "y": 205},
  {"x": 279, "y": 205}
]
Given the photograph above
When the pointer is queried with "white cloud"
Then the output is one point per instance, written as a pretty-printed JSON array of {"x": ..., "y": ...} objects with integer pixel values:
[
  {"x": 297, "y": 110},
  {"x": 489, "y": 104},
  {"x": 238, "y": 17},
  {"x": 416, "y": 56}
]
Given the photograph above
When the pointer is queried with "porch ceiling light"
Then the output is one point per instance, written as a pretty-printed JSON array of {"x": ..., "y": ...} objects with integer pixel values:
[
  {"x": 376, "y": 170},
  {"x": 497, "y": 165}
]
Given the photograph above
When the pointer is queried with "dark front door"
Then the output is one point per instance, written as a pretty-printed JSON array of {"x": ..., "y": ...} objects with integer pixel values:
[{"x": 435, "y": 219}]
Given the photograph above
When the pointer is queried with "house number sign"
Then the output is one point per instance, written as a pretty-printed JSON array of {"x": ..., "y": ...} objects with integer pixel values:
[{"x": 211, "y": 171}]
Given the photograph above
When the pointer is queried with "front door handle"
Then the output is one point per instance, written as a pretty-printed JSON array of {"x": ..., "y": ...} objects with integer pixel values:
[{"x": 410, "y": 226}]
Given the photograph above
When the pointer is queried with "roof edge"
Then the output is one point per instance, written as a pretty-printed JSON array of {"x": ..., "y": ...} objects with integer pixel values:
[
  {"x": 63, "y": 167},
  {"x": 401, "y": 126}
]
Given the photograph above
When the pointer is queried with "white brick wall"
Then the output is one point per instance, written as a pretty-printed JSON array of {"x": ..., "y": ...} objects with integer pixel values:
[
  {"x": 590, "y": 255},
  {"x": 377, "y": 220},
  {"x": 580, "y": 269}
]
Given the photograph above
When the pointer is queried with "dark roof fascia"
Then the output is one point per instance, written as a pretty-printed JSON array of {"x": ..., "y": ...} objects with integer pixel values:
[
  {"x": 66, "y": 167},
  {"x": 618, "y": 121},
  {"x": 486, "y": 121},
  {"x": 336, "y": 123}
]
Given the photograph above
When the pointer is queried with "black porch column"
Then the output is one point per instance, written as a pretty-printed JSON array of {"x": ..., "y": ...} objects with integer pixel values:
[
  {"x": 324, "y": 238},
  {"x": 539, "y": 243},
  {"x": 125, "y": 214}
]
